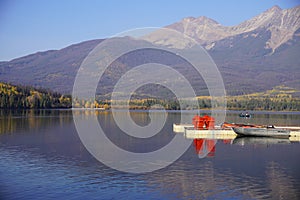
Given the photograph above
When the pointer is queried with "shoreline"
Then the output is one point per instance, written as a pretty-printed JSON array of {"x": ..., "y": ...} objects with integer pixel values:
[{"x": 156, "y": 110}]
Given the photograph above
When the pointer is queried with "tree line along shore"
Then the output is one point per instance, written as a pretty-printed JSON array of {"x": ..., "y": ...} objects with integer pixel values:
[{"x": 25, "y": 97}]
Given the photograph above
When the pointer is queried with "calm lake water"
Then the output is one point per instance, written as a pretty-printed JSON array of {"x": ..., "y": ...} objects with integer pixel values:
[{"x": 42, "y": 157}]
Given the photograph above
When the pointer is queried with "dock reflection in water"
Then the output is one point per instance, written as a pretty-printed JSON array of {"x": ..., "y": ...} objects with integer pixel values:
[{"x": 205, "y": 147}]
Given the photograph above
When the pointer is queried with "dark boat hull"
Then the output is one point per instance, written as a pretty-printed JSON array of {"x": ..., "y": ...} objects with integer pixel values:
[{"x": 262, "y": 132}]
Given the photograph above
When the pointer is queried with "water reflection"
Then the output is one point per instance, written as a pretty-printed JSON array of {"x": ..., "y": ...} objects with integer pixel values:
[
  {"x": 12, "y": 121},
  {"x": 260, "y": 141},
  {"x": 266, "y": 118},
  {"x": 42, "y": 157},
  {"x": 280, "y": 183},
  {"x": 207, "y": 180},
  {"x": 205, "y": 147}
]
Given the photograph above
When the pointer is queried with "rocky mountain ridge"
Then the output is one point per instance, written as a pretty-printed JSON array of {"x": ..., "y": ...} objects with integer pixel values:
[{"x": 282, "y": 24}]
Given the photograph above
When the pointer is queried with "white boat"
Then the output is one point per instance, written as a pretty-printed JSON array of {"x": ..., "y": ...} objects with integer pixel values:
[{"x": 262, "y": 132}]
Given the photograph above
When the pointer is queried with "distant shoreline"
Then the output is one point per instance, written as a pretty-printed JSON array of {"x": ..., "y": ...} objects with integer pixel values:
[
  {"x": 279, "y": 99},
  {"x": 156, "y": 110}
]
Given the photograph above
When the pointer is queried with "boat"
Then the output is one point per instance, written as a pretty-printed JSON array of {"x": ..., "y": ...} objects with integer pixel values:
[
  {"x": 269, "y": 131},
  {"x": 245, "y": 115},
  {"x": 227, "y": 125}
]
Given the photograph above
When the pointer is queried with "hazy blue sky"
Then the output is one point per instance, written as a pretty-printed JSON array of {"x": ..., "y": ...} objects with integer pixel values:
[{"x": 28, "y": 26}]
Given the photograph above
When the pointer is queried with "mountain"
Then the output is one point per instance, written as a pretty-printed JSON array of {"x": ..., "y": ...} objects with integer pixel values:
[
  {"x": 282, "y": 25},
  {"x": 254, "y": 56},
  {"x": 54, "y": 69},
  {"x": 262, "y": 48}
]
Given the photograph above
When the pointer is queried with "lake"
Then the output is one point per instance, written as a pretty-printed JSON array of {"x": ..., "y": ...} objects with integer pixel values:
[{"x": 42, "y": 157}]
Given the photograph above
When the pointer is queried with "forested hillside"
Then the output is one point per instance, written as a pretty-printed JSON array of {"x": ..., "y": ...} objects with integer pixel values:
[{"x": 12, "y": 96}]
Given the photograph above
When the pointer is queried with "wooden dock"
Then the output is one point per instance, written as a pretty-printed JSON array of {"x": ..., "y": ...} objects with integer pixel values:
[{"x": 221, "y": 134}]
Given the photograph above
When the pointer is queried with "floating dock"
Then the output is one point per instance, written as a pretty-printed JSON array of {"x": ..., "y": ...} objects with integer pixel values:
[
  {"x": 209, "y": 134},
  {"x": 223, "y": 134},
  {"x": 180, "y": 128}
]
